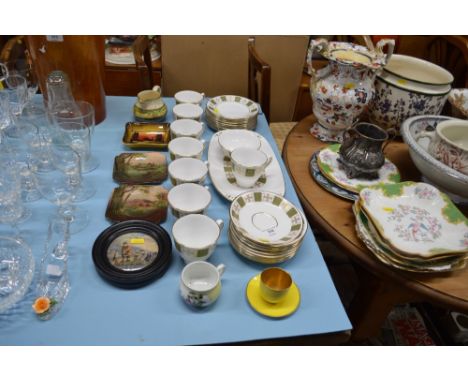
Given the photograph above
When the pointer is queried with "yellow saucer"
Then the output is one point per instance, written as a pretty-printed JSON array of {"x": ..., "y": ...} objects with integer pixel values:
[{"x": 281, "y": 309}]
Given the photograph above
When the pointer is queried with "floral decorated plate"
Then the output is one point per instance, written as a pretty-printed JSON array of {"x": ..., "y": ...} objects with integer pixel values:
[
  {"x": 416, "y": 219},
  {"x": 220, "y": 169},
  {"x": 265, "y": 217},
  {"x": 326, "y": 184},
  {"x": 330, "y": 168},
  {"x": 459, "y": 99}
]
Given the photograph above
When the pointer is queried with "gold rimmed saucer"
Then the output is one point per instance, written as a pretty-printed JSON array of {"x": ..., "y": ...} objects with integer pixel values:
[{"x": 283, "y": 308}]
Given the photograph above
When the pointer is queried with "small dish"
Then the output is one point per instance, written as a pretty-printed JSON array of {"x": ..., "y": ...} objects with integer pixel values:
[
  {"x": 327, "y": 160},
  {"x": 187, "y": 111},
  {"x": 283, "y": 308},
  {"x": 140, "y": 168},
  {"x": 132, "y": 254},
  {"x": 142, "y": 202},
  {"x": 146, "y": 135}
]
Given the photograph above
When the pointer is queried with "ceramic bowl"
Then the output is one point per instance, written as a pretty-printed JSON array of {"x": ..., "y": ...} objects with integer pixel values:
[
  {"x": 187, "y": 170},
  {"x": 196, "y": 236},
  {"x": 435, "y": 171},
  {"x": 188, "y": 198},
  {"x": 186, "y": 128},
  {"x": 408, "y": 86},
  {"x": 189, "y": 96},
  {"x": 187, "y": 111},
  {"x": 186, "y": 147},
  {"x": 229, "y": 140}
]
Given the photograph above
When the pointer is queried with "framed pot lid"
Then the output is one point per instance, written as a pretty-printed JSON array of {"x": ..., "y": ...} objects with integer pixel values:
[{"x": 133, "y": 253}]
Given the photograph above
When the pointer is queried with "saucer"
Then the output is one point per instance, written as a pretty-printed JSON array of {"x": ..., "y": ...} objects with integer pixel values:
[{"x": 282, "y": 309}]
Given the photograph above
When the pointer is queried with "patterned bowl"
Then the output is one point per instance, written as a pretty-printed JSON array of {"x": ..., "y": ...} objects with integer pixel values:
[
  {"x": 408, "y": 86},
  {"x": 435, "y": 171}
]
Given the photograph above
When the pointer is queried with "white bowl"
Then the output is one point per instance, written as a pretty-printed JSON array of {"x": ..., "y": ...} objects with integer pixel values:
[
  {"x": 186, "y": 128},
  {"x": 187, "y": 111},
  {"x": 435, "y": 171},
  {"x": 188, "y": 198},
  {"x": 229, "y": 140},
  {"x": 186, "y": 147},
  {"x": 187, "y": 170},
  {"x": 408, "y": 86},
  {"x": 189, "y": 96}
]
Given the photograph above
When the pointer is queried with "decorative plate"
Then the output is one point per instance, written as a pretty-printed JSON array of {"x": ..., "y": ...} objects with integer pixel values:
[
  {"x": 416, "y": 219},
  {"x": 326, "y": 184},
  {"x": 265, "y": 217},
  {"x": 330, "y": 168},
  {"x": 146, "y": 135},
  {"x": 459, "y": 99},
  {"x": 232, "y": 107},
  {"x": 387, "y": 256},
  {"x": 140, "y": 168},
  {"x": 133, "y": 253},
  {"x": 143, "y": 202},
  {"x": 283, "y": 308},
  {"x": 220, "y": 170}
]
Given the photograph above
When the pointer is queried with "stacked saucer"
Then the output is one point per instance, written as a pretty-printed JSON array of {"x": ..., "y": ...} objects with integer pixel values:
[
  {"x": 265, "y": 227},
  {"x": 413, "y": 227},
  {"x": 231, "y": 112}
]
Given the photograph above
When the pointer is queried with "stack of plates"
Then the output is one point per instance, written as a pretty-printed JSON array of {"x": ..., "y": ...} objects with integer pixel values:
[
  {"x": 327, "y": 172},
  {"x": 231, "y": 112},
  {"x": 413, "y": 227},
  {"x": 265, "y": 227}
]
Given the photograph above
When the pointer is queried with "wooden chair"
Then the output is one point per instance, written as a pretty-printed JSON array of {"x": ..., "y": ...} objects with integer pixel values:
[
  {"x": 14, "y": 49},
  {"x": 142, "y": 54},
  {"x": 259, "y": 74}
]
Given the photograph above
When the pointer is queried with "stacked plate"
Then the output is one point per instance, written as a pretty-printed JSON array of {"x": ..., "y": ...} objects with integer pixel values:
[
  {"x": 265, "y": 227},
  {"x": 327, "y": 172},
  {"x": 413, "y": 227},
  {"x": 231, "y": 112}
]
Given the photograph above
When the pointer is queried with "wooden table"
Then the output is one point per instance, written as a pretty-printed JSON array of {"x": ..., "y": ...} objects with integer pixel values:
[{"x": 381, "y": 286}]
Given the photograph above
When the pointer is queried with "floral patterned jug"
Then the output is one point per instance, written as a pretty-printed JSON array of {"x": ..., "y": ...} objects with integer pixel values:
[{"x": 341, "y": 91}]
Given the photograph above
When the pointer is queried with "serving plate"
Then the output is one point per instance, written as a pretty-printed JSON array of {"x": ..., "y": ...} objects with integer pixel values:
[
  {"x": 140, "y": 168},
  {"x": 221, "y": 172},
  {"x": 327, "y": 160},
  {"x": 232, "y": 107},
  {"x": 416, "y": 219},
  {"x": 146, "y": 135}
]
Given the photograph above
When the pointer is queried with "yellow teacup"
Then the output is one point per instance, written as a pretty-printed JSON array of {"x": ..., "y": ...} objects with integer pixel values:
[{"x": 274, "y": 284}]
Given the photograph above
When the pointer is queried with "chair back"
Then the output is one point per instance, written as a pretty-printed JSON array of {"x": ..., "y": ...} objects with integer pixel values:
[{"x": 259, "y": 83}]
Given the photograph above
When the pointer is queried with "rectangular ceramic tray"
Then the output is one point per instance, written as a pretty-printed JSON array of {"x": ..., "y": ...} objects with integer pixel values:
[
  {"x": 146, "y": 135},
  {"x": 140, "y": 168}
]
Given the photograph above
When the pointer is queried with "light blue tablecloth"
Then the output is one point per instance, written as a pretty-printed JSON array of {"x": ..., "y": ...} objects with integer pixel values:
[{"x": 97, "y": 313}]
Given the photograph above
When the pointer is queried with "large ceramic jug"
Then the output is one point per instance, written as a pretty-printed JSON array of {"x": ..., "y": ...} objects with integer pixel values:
[{"x": 341, "y": 91}]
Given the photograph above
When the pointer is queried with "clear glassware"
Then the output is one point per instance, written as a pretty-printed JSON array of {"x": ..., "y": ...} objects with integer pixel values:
[
  {"x": 17, "y": 89},
  {"x": 58, "y": 89},
  {"x": 66, "y": 114},
  {"x": 5, "y": 118},
  {"x": 23, "y": 68},
  {"x": 53, "y": 283}
]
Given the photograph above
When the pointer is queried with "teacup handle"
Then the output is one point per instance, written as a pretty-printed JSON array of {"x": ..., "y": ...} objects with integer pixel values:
[
  {"x": 221, "y": 268},
  {"x": 203, "y": 142},
  {"x": 390, "y": 47},
  {"x": 157, "y": 89},
  {"x": 220, "y": 224},
  {"x": 270, "y": 158}
]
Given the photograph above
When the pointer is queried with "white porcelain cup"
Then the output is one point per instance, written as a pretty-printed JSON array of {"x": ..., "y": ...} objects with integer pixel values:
[
  {"x": 187, "y": 170},
  {"x": 186, "y": 147},
  {"x": 195, "y": 236},
  {"x": 188, "y": 198},
  {"x": 229, "y": 140},
  {"x": 187, "y": 111},
  {"x": 248, "y": 165},
  {"x": 186, "y": 128},
  {"x": 189, "y": 96},
  {"x": 449, "y": 143},
  {"x": 200, "y": 283}
]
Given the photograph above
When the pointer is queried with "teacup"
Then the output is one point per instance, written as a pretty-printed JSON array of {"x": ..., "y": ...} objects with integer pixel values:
[
  {"x": 274, "y": 284},
  {"x": 449, "y": 143},
  {"x": 195, "y": 236},
  {"x": 186, "y": 128},
  {"x": 187, "y": 170},
  {"x": 188, "y": 198},
  {"x": 248, "y": 165},
  {"x": 200, "y": 283},
  {"x": 189, "y": 96},
  {"x": 229, "y": 140},
  {"x": 187, "y": 111},
  {"x": 186, "y": 147}
]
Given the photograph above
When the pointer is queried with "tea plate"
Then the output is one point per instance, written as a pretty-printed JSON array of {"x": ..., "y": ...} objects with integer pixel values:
[
  {"x": 459, "y": 99},
  {"x": 326, "y": 184},
  {"x": 283, "y": 308},
  {"x": 140, "y": 168},
  {"x": 232, "y": 107},
  {"x": 416, "y": 219},
  {"x": 327, "y": 160},
  {"x": 221, "y": 175}
]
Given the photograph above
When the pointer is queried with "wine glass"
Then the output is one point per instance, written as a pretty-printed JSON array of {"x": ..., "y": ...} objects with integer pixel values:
[
  {"x": 5, "y": 119},
  {"x": 23, "y": 68},
  {"x": 66, "y": 113},
  {"x": 16, "y": 88}
]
